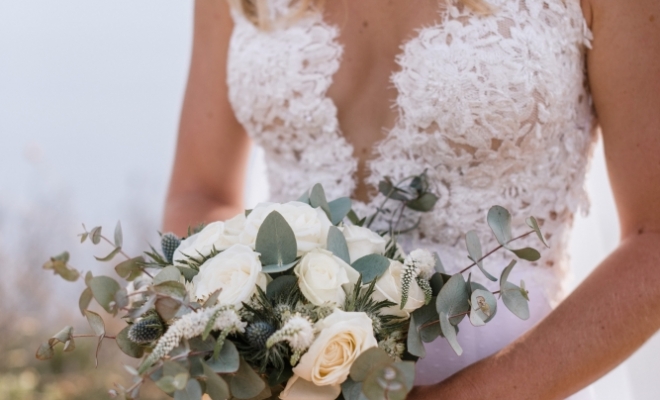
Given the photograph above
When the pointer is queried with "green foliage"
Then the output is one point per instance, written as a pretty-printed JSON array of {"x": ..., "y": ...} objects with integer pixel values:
[
  {"x": 371, "y": 266},
  {"x": 484, "y": 307},
  {"x": 453, "y": 299},
  {"x": 449, "y": 332},
  {"x": 317, "y": 199},
  {"x": 475, "y": 254},
  {"x": 64, "y": 336},
  {"x": 245, "y": 383},
  {"x": 227, "y": 361},
  {"x": 276, "y": 242},
  {"x": 169, "y": 273},
  {"x": 60, "y": 267},
  {"x": 130, "y": 269},
  {"x": 339, "y": 209},
  {"x": 533, "y": 223},
  {"x": 216, "y": 387},
  {"x": 337, "y": 244},
  {"x": 104, "y": 289},
  {"x": 127, "y": 346},
  {"x": 192, "y": 391},
  {"x": 381, "y": 377},
  {"x": 499, "y": 220}
]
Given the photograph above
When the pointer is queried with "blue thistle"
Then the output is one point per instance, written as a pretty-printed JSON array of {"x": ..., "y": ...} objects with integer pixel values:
[
  {"x": 169, "y": 242},
  {"x": 258, "y": 333}
]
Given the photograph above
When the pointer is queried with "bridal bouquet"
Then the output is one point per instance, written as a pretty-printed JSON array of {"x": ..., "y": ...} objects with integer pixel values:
[{"x": 301, "y": 300}]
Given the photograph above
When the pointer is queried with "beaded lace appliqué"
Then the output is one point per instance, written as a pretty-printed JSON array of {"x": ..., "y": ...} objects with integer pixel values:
[{"x": 495, "y": 107}]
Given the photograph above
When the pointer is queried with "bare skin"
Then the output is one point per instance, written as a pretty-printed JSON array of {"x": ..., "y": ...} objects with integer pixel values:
[{"x": 609, "y": 316}]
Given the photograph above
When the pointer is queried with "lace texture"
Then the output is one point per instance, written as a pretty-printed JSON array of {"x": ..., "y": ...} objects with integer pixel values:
[{"x": 495, "y": 107}]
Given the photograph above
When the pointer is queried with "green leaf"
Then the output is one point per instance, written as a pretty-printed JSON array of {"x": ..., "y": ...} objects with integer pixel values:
[
  {"x": 337, "y": 244},
  {"x": 228, "y": 360},
  {"x": 272, "y": 269},
  {"x": 167, "y": 307},
  {"x": 188, "y": 273},
  {"x": 407, "y": 370},
  {"x": 245, "y": 383},
  {"x": 119, "y": 237},
  {"x": 169, "y": 383},
  {"x": 367, "y": 362},
  {"x": 352, "y": 390},
  {"x": 192, "y": 391},
  {"x": 449, "y": 332},
  {"x": 453, "y": 299},
  {"x": 438, "y": 263},
  {"x": 45, "y": 352},
  {"x": 532, "y": 223},
  {"x": 499, "y": 221},
  {"x": 130, "y": 269},
  {"x": 110, "y": 256},
  {"x": 514, "y": 300},
  {"x": 423, "y": 316},
  {"x": 174, "y": 289},
  {"x": 474, "y": 250},
  {"x": 95, "y": 235},
  {"x": 127, "y": 346},
  {"x": 276, "y": 241},
  {"x": 371, "y": 266},
  {"x": 317, "y": 199},
  {"x": 339, "y": 209},
  {"x": 83, "y": 237},
  {"x": 505, "y": 273},
  {"x": 414, "y": 343},
  {"x": 304, "y": 198},
  {"x": 95, "y": 322},
  {"x": 216, "y": 387},
  {"x": 527, "y": 253},
  {"x": 59, "y": 266},
  {"x": 170, "y": 273},
  {"x": 484, "y": 307},
  {"x": 387, "y": 188},
  {"x": 424, "y": 203},
  {"x": 353, "y": 217},
  {"x": 387, "y": 382},
  {"x": 85, "y": 298},
  {"x": 279, "y": 285},
  {"x": 103, "y": 290}
]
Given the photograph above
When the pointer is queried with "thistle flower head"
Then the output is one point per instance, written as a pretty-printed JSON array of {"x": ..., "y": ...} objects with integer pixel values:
[{"x": 169, "y": 243}]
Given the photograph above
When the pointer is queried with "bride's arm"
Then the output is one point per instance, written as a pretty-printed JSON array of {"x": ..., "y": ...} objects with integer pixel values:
[
  {"x": 212, "y": 149},
  {"x": 615, "y": 310}
]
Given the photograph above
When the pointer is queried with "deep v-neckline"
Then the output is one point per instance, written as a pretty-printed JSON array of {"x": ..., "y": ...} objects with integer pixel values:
[{"x": 361, "y": 178}]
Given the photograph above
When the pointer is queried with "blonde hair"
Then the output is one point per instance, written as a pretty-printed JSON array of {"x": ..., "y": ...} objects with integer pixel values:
[{"x": 258, "y": 13}]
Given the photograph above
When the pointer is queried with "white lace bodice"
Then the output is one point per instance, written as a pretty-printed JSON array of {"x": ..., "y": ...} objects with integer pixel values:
[{"x": 495, "y": 107}]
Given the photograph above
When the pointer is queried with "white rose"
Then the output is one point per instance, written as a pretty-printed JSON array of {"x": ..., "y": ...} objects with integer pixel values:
[
  {"x": 363, "y": 241},
  {"x": 388, "y": 287},
  {"x": 236, "y": 271},
  {"x": 221, "y": 235},
  {"x": 342, "y": 337},
  {"x": 310, "y": 225},
  {"x": 321, "y": 275}
]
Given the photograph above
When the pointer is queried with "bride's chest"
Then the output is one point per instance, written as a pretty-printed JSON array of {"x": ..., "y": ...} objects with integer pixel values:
[{"x": 515, "y": 68}]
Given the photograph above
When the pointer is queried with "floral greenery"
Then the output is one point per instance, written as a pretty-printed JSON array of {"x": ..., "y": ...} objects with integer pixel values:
[{"x": 185, "y": 340}]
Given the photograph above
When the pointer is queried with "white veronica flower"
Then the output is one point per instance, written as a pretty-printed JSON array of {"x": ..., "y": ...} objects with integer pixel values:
[
  {"x": 423, "y": 261},
  {"x": 297, "y": 331}
]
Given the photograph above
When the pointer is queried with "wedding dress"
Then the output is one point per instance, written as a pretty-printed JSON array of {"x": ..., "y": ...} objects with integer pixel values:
[{"x": 496, "y": 107}]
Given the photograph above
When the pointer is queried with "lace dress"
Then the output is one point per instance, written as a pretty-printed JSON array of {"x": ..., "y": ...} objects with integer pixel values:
[{"x": 496, "y": 108}]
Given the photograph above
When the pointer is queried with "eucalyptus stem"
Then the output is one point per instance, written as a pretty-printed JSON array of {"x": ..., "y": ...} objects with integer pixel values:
[
  {"x": 495, "y": 249},
  {"x": 94, "y": 336}
]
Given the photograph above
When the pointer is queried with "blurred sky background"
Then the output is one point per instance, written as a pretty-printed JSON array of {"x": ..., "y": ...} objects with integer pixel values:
[{"x": 90, "y": 94}]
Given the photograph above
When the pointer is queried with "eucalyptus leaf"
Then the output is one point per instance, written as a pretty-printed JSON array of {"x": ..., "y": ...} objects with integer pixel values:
[
  {"x": 484, "y": 307},
  {"x": 95, "y": 322},
  {"x": 387, "y": 188},
  {"x": 279, "y": 285},
  {"x": 110, "y": 256},
  {"x": 170, "y": 384},
  {"x": 449, "y": 332},
  {"x": 127, "y": 346},
  {"x": 527, "y": 253},
  {"x": 245, "y": 383},
  {"x": 170, "y": 288},
  {"x": 317, "y": 199},
  {"x": 407, "y": 370},
  {"x": 304, "y": 198},
  {"x": 424, "y": 203},
  {"x": 169, "y": 273},
  {"x": 130, "y": 269},
  {"x": 414, "y": 343},
  {"x": 352, "y": 390},
  {"x": 387, "y": 382},
  {"x": 85, "y": 298},
  {"x": 438, "y": 264},
  {"x": 167, "y": 307},
  {"x": 275, "y": 268},
  {"x": 474, "y": 250},
  {"x": 499, "y": 221},
  {"x": 427, "y": 315},
  {"x": 339, "y": 209},
  {"x": 453, "y": 299},
  {"x": 45, "y": 352},
  {"x": 533, "y": 223},
  {"x": 436, "y": 282},
  {"x": 276, "y": 241},
  {"x": 192, "y": 391},
  {"x": 188, "y": 273},
  {"x": 505, "y": 273},
  {"x": 514, "y": 300},
  {"x": 119, "y": 237},
  {"x": 371, "y": 266},
  {"x": 216, "y": 387},
  {"x": 367, "y": 362},
  {"x": 104, "y": 289},
  {"x": 59, "y": 266},
  {"x": 228, "y": 360},
  {"x": 337, "y": 244},
  {"x": 95, "y": 235}
]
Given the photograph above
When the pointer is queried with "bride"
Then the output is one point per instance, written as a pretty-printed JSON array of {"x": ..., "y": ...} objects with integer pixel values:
[{"x": 498, "y": 99}]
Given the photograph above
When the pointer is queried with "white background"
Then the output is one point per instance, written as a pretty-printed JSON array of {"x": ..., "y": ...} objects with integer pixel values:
[{"x": 90, "y": 93}]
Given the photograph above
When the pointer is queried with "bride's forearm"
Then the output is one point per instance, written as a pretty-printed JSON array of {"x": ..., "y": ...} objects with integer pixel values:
[
  {"x": 183, "y": 211},
  {"x": 610, "y": 315}
]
